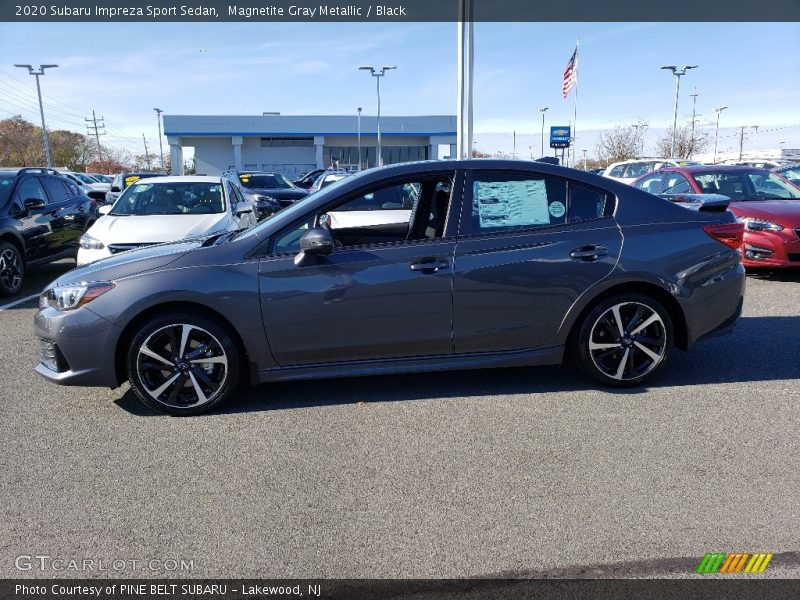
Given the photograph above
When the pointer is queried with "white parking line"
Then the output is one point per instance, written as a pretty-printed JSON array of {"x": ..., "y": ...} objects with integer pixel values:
[{"x": 20, "y": 301}]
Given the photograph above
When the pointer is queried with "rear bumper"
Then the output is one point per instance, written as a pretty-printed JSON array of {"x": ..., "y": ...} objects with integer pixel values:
[{"x": 714, "y": 306}]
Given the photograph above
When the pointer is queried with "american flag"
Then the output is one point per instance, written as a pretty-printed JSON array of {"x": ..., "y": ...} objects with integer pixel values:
[{"x": 571, "y": 73}]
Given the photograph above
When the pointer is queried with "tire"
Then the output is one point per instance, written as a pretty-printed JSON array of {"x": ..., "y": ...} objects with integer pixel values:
[
  {"x": 612, "y": 347},
  {"x": 12, "y": 269},
  {"x": 200, "y": 380}
]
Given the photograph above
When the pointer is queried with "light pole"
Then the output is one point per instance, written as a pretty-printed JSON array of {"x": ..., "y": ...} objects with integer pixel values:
[
  {"x": 359, "y": 138},
  {"x": 377, "y": 74},
  {"x": 543, "y": 110},
  {"x": 716, "y": 133},
  {"x": 584, "y": 160},
  {"x": 677, "y": 72},
  {"x": 160, "y": 147},
  {"x": 640, "y": 127},
  {"x": 41, "y": 106}
]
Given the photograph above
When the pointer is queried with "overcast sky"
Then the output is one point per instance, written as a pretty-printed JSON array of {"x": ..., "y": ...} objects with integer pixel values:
[{"x": 124, "y": 70}]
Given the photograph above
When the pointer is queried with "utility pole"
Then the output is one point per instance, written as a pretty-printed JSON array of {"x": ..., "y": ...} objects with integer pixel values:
[
  {"x": 694, "y": 102},
  {"x": 146, "y": 154},
  {"x": 584, "y": 159},
  {"x": 755, "y": 138},
  {"x": 95, "y": 128},
  {"x": 716, "y": 133},
  {"x": 160, "y": 146},
  {"x": 741, "y": 141}
]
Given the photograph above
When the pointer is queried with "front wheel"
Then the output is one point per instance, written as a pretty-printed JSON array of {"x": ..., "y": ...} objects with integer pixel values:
[
  {"x": 183, "y": 364},
  {"x": 12, "y": 269},
  {"x": 624, "y": 340}
]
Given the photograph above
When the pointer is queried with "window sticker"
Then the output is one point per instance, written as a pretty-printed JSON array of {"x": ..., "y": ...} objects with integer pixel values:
[
  {"x": 511, "y": 203},
  {"x": 557, "y": 209}
]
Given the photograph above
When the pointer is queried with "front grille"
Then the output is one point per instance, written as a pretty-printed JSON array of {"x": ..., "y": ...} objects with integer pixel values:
[
  {"x": 52, "y": 357},
  {"x": 115, "y": 248}
]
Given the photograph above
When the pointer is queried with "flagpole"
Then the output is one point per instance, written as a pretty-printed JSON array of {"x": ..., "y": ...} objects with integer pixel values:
[{"x": 575, "y": 113}]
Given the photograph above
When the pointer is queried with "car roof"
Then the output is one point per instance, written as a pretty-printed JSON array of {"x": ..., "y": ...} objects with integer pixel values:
[
  {"x": 185, "y": 179},
  {"x": 718, "y": 169}
]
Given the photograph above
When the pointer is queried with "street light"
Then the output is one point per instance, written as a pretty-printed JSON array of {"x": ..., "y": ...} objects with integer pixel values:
[
  {"x": 41, "y": 106},
  {"x": 677, "y": 72},
  {"x": 359, "y": 138},
  {"x": 377, "y": 74},
  {"x": 543, "y": 110},
  {"x": 160, "y": 147},
  {"x": 640, "y": 127},
  {"x": 716, "y": 134}
]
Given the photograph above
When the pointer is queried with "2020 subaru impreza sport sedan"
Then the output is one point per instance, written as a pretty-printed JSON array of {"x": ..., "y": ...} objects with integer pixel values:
[{"x": 407, "y": 268}]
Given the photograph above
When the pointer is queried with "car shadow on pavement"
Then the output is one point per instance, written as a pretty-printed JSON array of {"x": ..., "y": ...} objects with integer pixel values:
[
  {"x": 789, "y": 275},
  {"x": 759, "y": 349}
]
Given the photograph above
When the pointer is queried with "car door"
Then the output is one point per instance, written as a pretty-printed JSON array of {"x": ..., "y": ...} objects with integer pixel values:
[
  {"x": 373, "y": 297},
  {"x": 70, "y": 212},
  {"x": 529, "y": 245},
  {"x": 31, "y": 208}
]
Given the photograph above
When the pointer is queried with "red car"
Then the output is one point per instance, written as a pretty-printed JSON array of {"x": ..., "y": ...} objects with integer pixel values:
[{"x": 767, "y": 204}]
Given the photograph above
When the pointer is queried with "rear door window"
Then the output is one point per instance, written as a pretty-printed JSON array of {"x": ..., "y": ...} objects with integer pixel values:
[{"x": 56, "y": 189}]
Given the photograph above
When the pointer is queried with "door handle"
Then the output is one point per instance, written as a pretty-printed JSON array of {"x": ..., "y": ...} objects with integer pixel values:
[
  {"x": 430, "y": 266},
  {"x": 588, "y": 253}
]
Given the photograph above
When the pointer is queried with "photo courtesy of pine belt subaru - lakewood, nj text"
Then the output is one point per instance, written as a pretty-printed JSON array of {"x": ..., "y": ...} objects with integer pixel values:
[{"x": 406, "y": 268}]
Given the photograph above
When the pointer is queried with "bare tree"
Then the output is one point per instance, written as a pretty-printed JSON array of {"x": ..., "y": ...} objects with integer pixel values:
[
  {"x": 620, "y": 143},
  {"x": 685, "y": 146}
]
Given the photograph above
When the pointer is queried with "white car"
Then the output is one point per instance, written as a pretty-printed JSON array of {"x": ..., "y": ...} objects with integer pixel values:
[
  {"x": 166, "y": 209},
  {"x": 89, "y": 185},
  {"x": 627, "y": 171}
]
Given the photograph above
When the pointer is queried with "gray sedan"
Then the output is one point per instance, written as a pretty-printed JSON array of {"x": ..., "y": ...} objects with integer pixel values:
[{"x": 443, "y": 265}]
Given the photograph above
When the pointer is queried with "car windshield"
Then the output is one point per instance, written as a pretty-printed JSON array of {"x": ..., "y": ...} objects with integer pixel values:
[
  {"x": 85, "y": 178},
  {"x": 791, "y": 173},
  {"x": 265, "y": 181},
  {"x": 746, "y": 185},
  {"x": 6, "y": 184},
  {"x": 170, "y": 199}
]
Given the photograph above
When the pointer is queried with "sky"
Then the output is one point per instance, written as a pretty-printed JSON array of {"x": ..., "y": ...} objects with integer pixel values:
[{"x": 123, "y": 70}]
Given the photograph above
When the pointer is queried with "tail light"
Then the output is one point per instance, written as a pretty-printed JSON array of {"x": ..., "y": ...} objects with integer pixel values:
[{"x": 730, "y": 234}]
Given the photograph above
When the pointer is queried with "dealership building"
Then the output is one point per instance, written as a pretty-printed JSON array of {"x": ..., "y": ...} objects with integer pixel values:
[{"x": 295, "y": 144}]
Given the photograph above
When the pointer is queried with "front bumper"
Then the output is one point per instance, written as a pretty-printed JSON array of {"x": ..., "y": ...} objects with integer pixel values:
[
  {"x": 771, "y": 249},
  {"x": 84, "y": 343}
]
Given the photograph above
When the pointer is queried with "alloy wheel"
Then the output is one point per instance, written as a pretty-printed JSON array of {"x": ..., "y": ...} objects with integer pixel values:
[
  {"x": 628, "y": 341},
  {"x": 182, "y": 366},
  {"x": 10, "y": 272}
]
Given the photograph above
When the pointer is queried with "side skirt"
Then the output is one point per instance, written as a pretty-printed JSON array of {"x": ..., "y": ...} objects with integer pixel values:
[{"x": 516, "y": 358}]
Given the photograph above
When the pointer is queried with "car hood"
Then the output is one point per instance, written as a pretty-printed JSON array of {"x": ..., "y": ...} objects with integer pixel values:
[
  {"x": 153, "y": 229},
  {"x": 279, "y": 193},
  {"x": 131, "y": 262},
  {"x": 784, "y": 212}
]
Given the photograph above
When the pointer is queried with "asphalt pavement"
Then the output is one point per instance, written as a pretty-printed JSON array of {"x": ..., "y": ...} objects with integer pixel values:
[{"x": 505, "y": 472}]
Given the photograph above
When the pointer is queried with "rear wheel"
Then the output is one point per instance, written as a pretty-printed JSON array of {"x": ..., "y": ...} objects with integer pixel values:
[
  {"x": 12, "y": 269},
  {"x": 183, "y": 364},
  {"x": 624, "y": 340}
]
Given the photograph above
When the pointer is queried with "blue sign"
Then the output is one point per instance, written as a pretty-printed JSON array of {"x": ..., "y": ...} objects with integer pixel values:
[{"x": 560, "y": 136}]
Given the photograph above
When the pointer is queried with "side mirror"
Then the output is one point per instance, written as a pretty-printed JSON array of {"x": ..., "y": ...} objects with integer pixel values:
[
  {"x": 115, "y": 188},
  {"x": 314, "y": 242},
  {"x": 243, "y": 208},
  {"x": 34, "y": 203},
  {"x": 105, "y": 209}
]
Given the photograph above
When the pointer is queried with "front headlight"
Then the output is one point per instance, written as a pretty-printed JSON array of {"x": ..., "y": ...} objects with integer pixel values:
[
  {"x": 759, "y": 224},
  {"x": 90, "y": 243},
  {"x": 70, "y": 297}
]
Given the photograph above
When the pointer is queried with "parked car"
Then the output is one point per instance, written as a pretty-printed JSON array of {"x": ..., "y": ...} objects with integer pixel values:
[
  {"x": 123, "y": 180},
  {"x": 270, "y": 192},
  {"x": 102, "y": 178},
  {"x": 500, "y": 263},
  {"x": 42, "y": 217},
  {"x": 88, "y": 185},
  {"x": 306, "y": 180},
  {"x": 627, "y": 171},
  {"x": 766, "y": 203},
  {"x": 328, "y": 177},
  {"x": 165, "y": 209},
  {"x": 790, "y": 172},
  {"x": 762, "y": 163}
]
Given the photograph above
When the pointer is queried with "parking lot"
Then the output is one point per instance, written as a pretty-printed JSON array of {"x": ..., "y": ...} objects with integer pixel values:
[{"x": 508, "y": 472}]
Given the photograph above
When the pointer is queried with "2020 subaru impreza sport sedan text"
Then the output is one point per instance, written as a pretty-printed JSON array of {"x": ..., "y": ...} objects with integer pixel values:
[{"x": 412, "y": 267}]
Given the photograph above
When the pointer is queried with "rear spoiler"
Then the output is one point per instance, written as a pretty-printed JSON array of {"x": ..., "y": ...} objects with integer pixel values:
[{"x": 704, "y": 202}]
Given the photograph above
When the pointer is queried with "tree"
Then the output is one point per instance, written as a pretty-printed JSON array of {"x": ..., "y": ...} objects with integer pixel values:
[
  {"x": 685, "y": 146},
  {"x": 620, "y": 143},
  {"x": 20, "y": 143}
]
